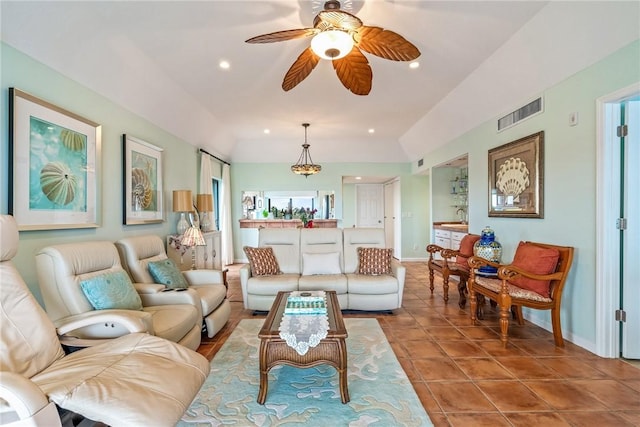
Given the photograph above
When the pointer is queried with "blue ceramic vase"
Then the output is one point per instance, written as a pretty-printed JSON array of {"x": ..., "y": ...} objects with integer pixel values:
[{"x": 489, "y": 249}]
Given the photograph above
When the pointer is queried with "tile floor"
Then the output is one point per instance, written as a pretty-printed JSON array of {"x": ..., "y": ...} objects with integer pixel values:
[{"x": 464, "y": 377}]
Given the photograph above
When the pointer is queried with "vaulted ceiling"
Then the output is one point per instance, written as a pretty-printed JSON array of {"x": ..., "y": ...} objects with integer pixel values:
[{"x": 161, "y": 61}]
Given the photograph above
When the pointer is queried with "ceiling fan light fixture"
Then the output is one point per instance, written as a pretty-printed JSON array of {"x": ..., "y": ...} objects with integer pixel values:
[
  {"x": 332, "y": 44},
  {"x": 305, "y": 166}
]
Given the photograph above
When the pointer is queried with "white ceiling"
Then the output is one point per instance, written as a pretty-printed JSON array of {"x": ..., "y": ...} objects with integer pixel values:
[{"x": 160, "y": 60}]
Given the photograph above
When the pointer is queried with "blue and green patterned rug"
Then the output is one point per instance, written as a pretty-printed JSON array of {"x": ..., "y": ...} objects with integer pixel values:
[{"x": 381, "y": 394}]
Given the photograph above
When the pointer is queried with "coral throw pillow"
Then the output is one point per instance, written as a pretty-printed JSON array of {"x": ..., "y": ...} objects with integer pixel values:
[
  {"x": 537, "y": 260},
  {"x": 374, "y": 261},
  {"x": 466, "y": 248},
  {"x": 262, "y": 260}
]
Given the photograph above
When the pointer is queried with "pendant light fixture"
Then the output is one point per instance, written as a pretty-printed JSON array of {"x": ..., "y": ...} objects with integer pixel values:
[{"x": 305, "y": 165}]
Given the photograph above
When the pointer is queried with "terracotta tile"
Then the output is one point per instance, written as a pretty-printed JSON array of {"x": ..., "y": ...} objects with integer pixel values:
[
  {"x": 589, "y": 419},
  {"x": 541, "y": 347},
  {"x": 632, "y": 416},
  {"x": 422, "y": 349},
  {"x": 484, "y": 419},
  {"x": 461, "y": 396},
  {"x": 634, "y": 384},
  {"x": 616, "y": 368},
  {"x": 445, "y": 333},
  {"x": 545, "y": 419},
  {"x": 433, "y": 321},
  {"x": 398, "y": 349},
  {"x": 439, "y": 420},
  {"x": 410, "y": 334},
  {"x": 614, "y": 394},
  {"x": 478, "y": 333},
  {"x": 565, "y": 395},
  {"x": 438, "y": 368},
  {"x": 494, "y": 348},
  {"x": 483, "y": 369},
  {"x": 426, "y": 398},
  {"x": 526, "y": 367},
  {"x": 572, "y": 367},
  {"x": 462, "y": 348},
  {"x": 408, "y": 368},
  {"x": 512, "y": 396}
]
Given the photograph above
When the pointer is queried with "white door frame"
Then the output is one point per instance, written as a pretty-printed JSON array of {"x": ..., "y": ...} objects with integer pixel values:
[{"x": 607, "y": 211}]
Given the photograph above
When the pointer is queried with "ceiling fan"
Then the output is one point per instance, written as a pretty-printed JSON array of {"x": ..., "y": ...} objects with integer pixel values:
[{"x": 340, "y": 37}]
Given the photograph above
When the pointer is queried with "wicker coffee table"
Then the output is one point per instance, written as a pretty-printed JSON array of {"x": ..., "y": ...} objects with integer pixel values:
[{"x": 332, "y": 350}]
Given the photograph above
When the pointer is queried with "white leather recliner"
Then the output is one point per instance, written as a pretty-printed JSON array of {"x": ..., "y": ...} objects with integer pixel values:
[
  {"x": 137, "y": 252},
  {"x": 61, "y": 268},
  {"x": 134, "y": 380}
]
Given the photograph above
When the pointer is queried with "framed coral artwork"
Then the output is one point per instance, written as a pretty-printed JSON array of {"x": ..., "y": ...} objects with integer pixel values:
[
  {"x": 516, "y": 184},
  {"x": 142, "y": 193},
  {"x": 55, "y": 165}
]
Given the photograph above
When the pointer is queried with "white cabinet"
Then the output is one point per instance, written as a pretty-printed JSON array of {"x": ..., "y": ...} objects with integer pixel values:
[
  {"x": 442, "y": 238},
  {"x": 206, "y": 257},
  {"x": 456, "y": 238}
]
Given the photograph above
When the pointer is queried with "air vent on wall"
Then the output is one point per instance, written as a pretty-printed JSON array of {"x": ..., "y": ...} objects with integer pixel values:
[
  {"x": 420, "y": 162},
  {"x": 532, "y": 108}
]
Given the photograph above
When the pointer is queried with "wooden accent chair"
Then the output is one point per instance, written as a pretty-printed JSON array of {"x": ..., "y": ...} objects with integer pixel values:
[
  {"x": 534, "y": 279},
  {"x": 453, "y": 263}
]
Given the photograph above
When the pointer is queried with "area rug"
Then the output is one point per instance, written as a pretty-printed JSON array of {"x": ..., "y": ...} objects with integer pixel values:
[{"x": 381, "y": 394}]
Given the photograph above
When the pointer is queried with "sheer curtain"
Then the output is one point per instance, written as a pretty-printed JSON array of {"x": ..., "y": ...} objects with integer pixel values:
[
  {"x": 206, "y": 184},
  {"x": 225, "y": 213}
]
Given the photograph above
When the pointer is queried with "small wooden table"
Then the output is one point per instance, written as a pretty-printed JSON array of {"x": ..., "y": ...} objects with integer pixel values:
[{"x": 332, "y": 350}]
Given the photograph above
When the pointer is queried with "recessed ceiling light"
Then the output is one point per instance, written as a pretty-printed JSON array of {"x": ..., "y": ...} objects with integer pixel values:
[
  {"x": 225, "y": 65},
  {"x": 414, "y": 65},
  {"x": 358, "y": 177},
  {"x": 372, "y": 130},
  {"x": 267, "y": 131}
]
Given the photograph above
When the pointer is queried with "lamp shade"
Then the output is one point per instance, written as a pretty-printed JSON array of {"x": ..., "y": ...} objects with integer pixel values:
[
  {"x": 332, "y": 44},
  {"x": 182, "y": 201},
  {"x": 193, "y": 237},
  {"x": 204, "y": 202}
]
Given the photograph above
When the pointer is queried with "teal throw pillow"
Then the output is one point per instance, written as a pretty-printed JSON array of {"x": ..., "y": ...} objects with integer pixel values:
[
  {"x": 167, "y": 273},
  {"x": 111, "y": 291}
]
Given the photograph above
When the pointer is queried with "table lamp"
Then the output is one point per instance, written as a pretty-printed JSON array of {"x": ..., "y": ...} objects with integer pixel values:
[
  {"x": 204, "y": 203},
  {"x": 182, "y": 203},
  {"x": 193, "y": 237}
]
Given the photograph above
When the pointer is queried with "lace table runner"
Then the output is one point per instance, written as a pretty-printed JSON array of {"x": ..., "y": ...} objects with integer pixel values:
[{"x": 304, "y": 331}]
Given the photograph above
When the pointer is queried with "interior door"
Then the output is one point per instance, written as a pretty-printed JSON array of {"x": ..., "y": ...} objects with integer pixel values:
[
  {"x": 369, "y": 205},
  {"x": 630, "y": 237}
]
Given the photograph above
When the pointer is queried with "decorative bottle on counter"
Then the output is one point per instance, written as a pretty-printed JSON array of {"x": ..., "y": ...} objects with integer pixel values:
[{"x": 489, "y": 249}]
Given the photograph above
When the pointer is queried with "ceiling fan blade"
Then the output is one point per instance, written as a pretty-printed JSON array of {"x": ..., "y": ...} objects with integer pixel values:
[
  {"x": 280, "y": 36},
  {"x": 354, "y": 72},
  {"x": 336, "y": 19},
  {"x": 300, "y": 69},
  {"x": 385, "y": 44}
]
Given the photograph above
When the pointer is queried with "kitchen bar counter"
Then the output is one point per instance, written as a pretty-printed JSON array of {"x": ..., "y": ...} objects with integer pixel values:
[
  {"x": 286, "y": 223},
  {"x": 451, "y": 226}
]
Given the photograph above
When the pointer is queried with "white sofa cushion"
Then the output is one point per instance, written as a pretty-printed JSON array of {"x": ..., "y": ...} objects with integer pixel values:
[
  {"x": 286, "y": 247},
  {"x": 328, "y": 263},
  {"x": 325, "y": 282},
  {"x": 360, "y": 237}
]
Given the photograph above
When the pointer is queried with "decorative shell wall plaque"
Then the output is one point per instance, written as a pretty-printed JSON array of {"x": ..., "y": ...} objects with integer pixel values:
[{"x": 513, "y": 177}]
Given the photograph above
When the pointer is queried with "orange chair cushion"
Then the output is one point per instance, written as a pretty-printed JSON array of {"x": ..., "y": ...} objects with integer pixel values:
[
  {"x": 537, "y": 260},
  {"x": 466, "y": 248}
]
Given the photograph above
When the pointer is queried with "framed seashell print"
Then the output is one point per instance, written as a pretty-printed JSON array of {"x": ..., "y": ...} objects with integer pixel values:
[
  {"x": 516, "y": 178},
  {"x": 142, "y": 193},
  {"x": 55, "y": 165}
]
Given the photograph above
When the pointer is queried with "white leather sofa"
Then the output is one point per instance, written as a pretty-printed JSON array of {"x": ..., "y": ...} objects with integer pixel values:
[
  {"x": 61, "y": 268},
  {"x": 134, "y": 380},
  {"x": 292, "y": 246},
  {"x": 137, "y": 252}
]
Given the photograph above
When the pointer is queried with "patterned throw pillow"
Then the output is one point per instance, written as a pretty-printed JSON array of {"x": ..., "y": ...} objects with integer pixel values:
[
  {"x": 262, "y": 260},
  {"x": 374, "y": 261},
  {"x": 167, "y": 273},
  {"x": 111, "y": 291}
]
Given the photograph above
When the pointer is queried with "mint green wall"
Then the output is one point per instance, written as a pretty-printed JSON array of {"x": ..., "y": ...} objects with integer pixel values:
[
  {"x": 277, "y": 176},
  {"x": 22, "y": 72},
  {"x": 569, "y": 176}
]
